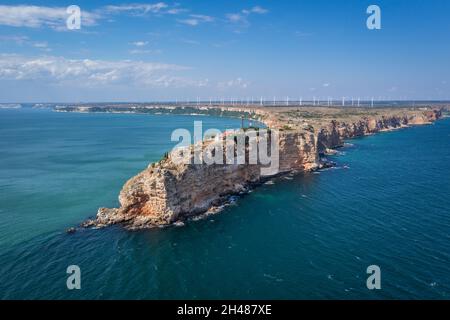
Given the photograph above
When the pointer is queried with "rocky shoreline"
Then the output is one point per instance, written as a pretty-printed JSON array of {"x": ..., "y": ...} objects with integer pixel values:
[{"x": 167, "y": 193}]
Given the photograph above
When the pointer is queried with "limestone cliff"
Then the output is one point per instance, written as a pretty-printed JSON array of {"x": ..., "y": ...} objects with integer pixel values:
[
  {"x": 334, "y": 133},
  {"x": 167, "y": 192}
]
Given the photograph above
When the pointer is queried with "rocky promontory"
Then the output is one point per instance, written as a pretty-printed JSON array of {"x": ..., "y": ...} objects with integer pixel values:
[{"x": 168, "y": 192}]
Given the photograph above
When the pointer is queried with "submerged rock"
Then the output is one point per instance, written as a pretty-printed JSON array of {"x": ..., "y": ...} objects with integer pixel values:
[{"x": 71, "y": 230}]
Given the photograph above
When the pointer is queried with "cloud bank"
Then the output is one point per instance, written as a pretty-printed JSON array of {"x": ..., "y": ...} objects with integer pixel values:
[
  {"x": 37, "y": 17},
  {"x": 91, "y": 73}
]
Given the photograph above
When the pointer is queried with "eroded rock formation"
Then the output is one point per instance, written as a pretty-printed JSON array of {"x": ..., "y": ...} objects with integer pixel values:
[
  {"x": 335, "y": 132},
  {"x": 167, "y": 192}
]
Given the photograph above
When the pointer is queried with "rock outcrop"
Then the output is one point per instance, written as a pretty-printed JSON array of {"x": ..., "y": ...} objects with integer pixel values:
[
  {"x": 167, "y": 192},
  {"x": 334, "y": 133}
]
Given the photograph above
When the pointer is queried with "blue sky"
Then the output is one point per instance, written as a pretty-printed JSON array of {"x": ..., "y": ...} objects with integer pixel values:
[{"x": 163, "y": 50}]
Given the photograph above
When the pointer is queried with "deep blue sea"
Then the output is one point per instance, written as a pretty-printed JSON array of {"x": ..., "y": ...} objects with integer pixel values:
[{"x": 311, "y": 236}]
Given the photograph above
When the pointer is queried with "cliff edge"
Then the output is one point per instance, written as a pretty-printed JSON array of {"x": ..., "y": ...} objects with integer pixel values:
[{"x": 168, "y": 192}]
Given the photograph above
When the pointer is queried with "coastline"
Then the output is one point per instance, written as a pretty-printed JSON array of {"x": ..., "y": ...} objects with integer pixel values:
[
  {"x": 165, "y": 194},
  {"x": 227, "y": 112}
]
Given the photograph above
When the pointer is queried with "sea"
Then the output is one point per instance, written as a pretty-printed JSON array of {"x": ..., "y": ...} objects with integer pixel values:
[{"x": 386, "y": 203}]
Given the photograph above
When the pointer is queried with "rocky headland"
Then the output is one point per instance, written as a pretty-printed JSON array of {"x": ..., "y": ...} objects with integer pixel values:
[{"x": 168, "y": 193}]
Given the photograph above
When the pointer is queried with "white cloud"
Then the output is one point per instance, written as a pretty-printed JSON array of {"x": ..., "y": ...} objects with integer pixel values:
[
  {"x": 137, "y": 8},
  {"x": 235, "y": 83},
  {"x": 196, "y": 19},
  {"x": 20, "y": 40},
  {"x": 236, "y": 17},
  {"x": 42, "y": 44},
  {"x": 176, "y": 11},
  {"x": 326, "y": 85},
  {"x": 189, "y": 22},
  {"x": 242, "y": 17},
  {"x": 139, "y": 43},
  {"x": 256, "y": 9},
  {"x": 141, "y": 51},
  {"x": 202, "y": 17},
  {"x": 55, "y": 17},
  {"x": 91, "y": 73},
  {"x": 26, "y": 41},
  {"x": 37, "y": 17}
]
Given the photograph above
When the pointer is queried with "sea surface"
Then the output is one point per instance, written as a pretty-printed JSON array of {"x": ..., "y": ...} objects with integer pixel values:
[{"x": 310, "y": 236}]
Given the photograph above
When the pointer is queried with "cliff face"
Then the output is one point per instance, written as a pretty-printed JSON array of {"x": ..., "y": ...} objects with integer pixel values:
[
  {"x": 333, "y": 135},
  {"x": 168, "y": 192}
]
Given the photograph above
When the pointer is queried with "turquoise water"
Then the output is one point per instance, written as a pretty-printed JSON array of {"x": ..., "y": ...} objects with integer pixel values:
[{"x": 304, "y": 237}]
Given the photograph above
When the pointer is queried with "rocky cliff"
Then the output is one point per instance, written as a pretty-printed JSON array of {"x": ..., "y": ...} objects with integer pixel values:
[
  {"x": 334, "y": 133},
  {"x": 168, "y": 192}
]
